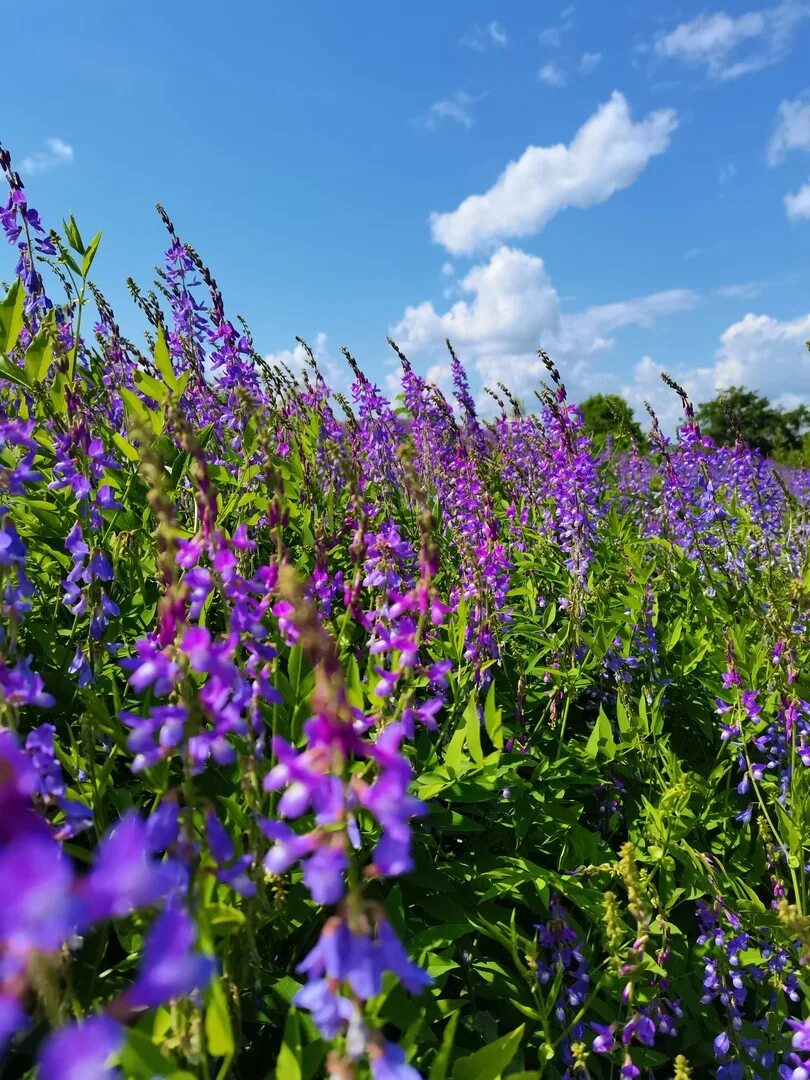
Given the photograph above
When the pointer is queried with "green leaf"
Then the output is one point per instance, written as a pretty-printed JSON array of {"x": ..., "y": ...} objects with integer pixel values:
[
  {"x": 134, "y": 406},
  {"x": 140, "y": 1059},
  {"x": 163, "y": 361},
  {"x": 225, "y": 918},
  {"x": 438, "y": 1070},
  {"x": 150, "y": 386},
  {"x": 125, "y": 446},
  {"x": 601, "y": 742},
  {"x": 489, "y": 1063},
  {"x": 11, "y": 317},
  {"x": 39, "y": 355},
  {"x": 90, "y": 254},
  {"x": 73, "y": 235},
  {"x": 288, "y": 1063},
  {"x": 473, "y": 729},
  {"x": 10, "y": 371},
  {"x": 492, "y": 718},
  {"x": 218, "y": 1029}
]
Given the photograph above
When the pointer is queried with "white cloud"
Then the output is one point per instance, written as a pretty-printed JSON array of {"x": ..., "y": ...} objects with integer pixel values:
[
  {"x": 479, "y": 38},
  {"x": 296, "y": 360},
  {"x": 448, "y": 269},
  {"x": 552, "y": 36},
  {"x": 457, "y": 109},
  {"x": 798, "y": 205},
  {"x": 792, "y": 131},
  {"x": 56, "y": 152},
  {"x": 729, "y": 46},
  {"x": 511, "y": 308},
  {"x": 589, "y": 62},
  {"x": 726, "y": 172},
  {"x": 551, "y": 75},
  {"x": 744, "y": 290},
  {"x": 757, "y": 351},
  {"x": 607, "y": 154},
  {"x": 440, "y": 375}
]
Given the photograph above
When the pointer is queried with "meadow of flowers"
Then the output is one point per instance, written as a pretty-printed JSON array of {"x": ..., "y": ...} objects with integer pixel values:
[{"x": 354, "y": 738}]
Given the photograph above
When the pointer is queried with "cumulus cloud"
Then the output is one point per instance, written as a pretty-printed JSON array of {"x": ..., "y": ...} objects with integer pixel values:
[
  {"x": 757, "y": 351},
  {"x": 481, "y": 38},
  {"x": 457, "y": 109},
  {"x": 607, "y": 154},
  {"x": 551, "y": 75},
  {"x": 511, "y": 308},
  {"x": 798, "y": 205},
  {"x": 295, "y": 360},
  {"x": 55, "y": 152},
  {"x": 729, "y": 46},
  {"x": 792, "y": 130}
]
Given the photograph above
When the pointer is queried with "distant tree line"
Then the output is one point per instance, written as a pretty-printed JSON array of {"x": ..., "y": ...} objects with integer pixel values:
[{"x": 734, "y": 413}]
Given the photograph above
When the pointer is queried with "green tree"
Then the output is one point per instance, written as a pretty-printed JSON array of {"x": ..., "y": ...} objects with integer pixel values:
[
  {"x": 738, "y": 412},
  {"x": 610, "y": 415}
]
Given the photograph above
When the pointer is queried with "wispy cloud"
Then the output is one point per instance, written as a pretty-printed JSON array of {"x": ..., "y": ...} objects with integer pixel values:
[
  {"x": 729, "y": 46},
  {"x": 481, "y": 38},
  {"x": 792, "y": 130},
  {"x": 456, "y": 109},
  {"x": 726, "y": 172},
  {"x": 552, "y": 36},
  {"x": 608, "y": 153},
  {"x": 56, "y": 152},
  {"x": 551, "y": 75},
  {"x": 589, "y": 62},
  {"x": 744, "y": 290}
]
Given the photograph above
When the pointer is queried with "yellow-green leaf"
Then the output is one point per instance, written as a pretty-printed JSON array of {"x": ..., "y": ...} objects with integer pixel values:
[
  {"x": 11, "y": 317},
  {"x": 163, "y": 361},
  {"x": 218, "y": 1028}
]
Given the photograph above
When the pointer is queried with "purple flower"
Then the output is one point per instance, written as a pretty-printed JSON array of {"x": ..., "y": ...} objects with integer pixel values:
[
  {"x": 162, "y": 827},
  {"x": 323, "y": 874},
  {"x": 75, "y": 544},
  {"x": 605, "y": 1040},
  {"x": 151, "y": 667},
  {"x": 330, "y": 1010},
  {"x": 21, "y": 686},
  {"x": 721, "y": 1044},
  {"x": 125, "y": 875},
  {"x": 801, "y": 1034},
  {"x": 13, "y": 1018},
  {"x": 749, "y": 703},
  {"x": 388, "y": 1063},
  {"x": 82, "y": 1051},
  {"x": 170, "y": 967},
  {"x": 395, "y": 958},
  {"x": 40, "y": 912}
]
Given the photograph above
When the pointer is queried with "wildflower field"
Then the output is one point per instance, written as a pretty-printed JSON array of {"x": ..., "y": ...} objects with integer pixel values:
[{"x": 345, "y": 737}]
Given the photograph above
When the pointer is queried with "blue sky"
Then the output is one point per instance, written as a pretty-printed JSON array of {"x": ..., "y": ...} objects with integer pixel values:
[{"x": 345, "y": 169}]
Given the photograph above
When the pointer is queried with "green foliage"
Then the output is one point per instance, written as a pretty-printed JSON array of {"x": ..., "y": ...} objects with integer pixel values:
[
  {"x": 739, "y": 413},
  {"x": 582, "y": 765},
  {"x": 609, "y": 415}
]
